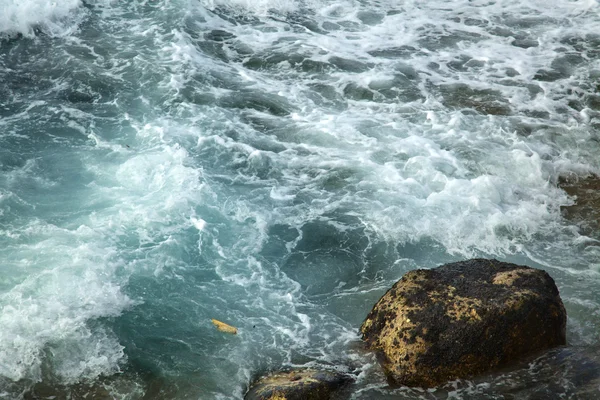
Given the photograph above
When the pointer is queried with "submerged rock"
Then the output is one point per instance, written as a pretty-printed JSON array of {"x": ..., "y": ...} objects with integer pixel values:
[
  {"x": 463, "y": 319},
  {"x": 302, "y": 384},
  {"x": 461, "y": 96}
]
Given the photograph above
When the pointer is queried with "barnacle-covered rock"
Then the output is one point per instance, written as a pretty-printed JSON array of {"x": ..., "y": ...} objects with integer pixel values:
[{"x": 462, "y": 319}]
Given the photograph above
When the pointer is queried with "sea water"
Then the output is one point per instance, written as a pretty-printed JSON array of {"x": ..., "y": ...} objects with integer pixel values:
[{"x": 277, "y": 165}]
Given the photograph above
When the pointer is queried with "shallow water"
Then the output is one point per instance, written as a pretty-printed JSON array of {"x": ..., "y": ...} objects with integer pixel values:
[{"x": 277, "y": 165}]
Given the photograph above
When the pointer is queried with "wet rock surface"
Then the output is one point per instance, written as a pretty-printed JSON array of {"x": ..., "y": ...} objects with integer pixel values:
[
  {"x": 300, "y": 384},
  {"x": 585, "y": 212},
  {"x": 463, "y": 319},
  {"x": 565, "y": 372}
]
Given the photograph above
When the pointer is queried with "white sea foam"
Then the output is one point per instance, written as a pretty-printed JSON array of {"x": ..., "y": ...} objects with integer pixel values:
[
  {"x": 54, "y": 301},
  {"x": 86, "y": 355},
  {"x": 198, "y": 223},
  {"x": 69, "y": 276},
  {"x": 260, "y": 7},
  {"x": 22, "y": 16},
  {"x": 479, "y": 201}
]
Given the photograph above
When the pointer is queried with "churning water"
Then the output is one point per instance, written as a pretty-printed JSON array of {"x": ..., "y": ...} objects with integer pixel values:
[{"x": 277, "y": 165}]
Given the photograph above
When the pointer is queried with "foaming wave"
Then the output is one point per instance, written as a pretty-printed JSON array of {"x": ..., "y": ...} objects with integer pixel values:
[
  {"x": 257, "y": 7},
  {"x": 65, "y": 287},
  {"x": 23, "y": 16}
]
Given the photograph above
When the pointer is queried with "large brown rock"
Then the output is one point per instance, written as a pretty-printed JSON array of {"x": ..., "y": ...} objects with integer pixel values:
[
  {"x": 462, "y": 319},
  {"x": 299, "y": 384}
]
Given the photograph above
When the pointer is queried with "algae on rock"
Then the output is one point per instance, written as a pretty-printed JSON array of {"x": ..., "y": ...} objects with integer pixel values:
[{"x": 463, "y": 319}]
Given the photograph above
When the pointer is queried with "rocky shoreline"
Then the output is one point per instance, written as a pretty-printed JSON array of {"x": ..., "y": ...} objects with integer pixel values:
[{"x": 455, "y": 321}]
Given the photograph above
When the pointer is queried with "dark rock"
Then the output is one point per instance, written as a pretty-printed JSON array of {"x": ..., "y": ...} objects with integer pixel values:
[
  {"x": 128, "y": 384},
  {"x": 300, "y": 384},
  {"x": 354, "y": 92},
  {"x": 463, "y": 319},
  {"x": 525, "y": 43},
  {"x": 586, "y": 209},
  {"x": 563, "y": 373},
  {"x": 218, "y": 35}
]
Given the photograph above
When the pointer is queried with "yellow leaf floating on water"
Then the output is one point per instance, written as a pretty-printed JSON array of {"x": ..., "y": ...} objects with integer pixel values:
[{"x": 223, "y": 327}]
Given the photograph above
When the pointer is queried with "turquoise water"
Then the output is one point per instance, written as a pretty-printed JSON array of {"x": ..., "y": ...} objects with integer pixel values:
[{"x": 276, "y": 165}]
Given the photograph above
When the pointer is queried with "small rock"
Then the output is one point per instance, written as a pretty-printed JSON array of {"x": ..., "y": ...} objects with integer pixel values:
[
  {"x": 463, "y": 319},
  {"x": 301, "y": 384}
]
